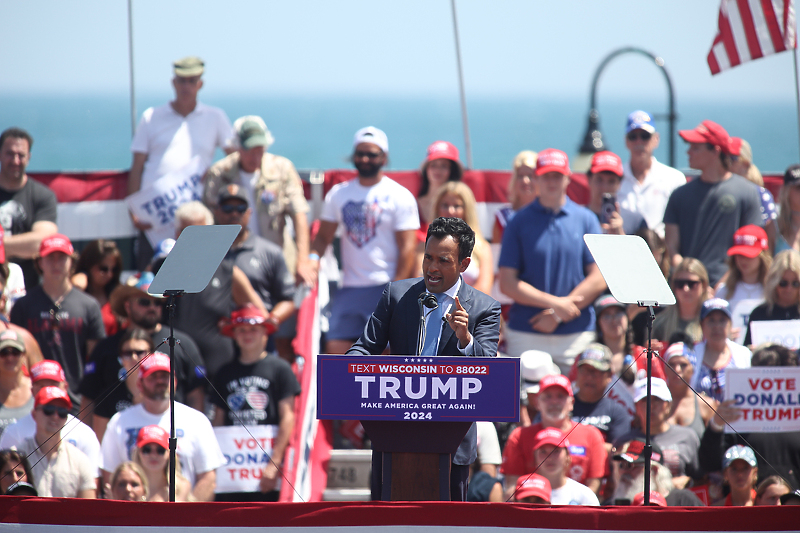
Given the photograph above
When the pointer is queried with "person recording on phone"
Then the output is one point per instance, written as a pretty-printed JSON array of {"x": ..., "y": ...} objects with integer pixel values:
[
  {"x": 604, "y": 179},
  {"x": 458, "y": 321}
]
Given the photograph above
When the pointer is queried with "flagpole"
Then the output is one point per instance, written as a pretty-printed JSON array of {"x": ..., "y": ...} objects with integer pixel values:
[
  {"x": 462, "y": 93},
  {"x": 797, "y": 95},
  {"x": 130, "y": 67}
]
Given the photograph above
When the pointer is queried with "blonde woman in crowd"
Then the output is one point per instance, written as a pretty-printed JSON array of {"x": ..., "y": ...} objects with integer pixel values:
[
  {"x": 152, "y": 455},
  {"x": 749, "y": 260},
  {"x": 128, "y": 483},
  {"x": 781, "y": 292},
  {"x": 690, "y": 285}
]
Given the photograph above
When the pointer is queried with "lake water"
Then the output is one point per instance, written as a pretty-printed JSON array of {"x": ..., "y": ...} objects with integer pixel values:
[{"x": 90, "y": 132}]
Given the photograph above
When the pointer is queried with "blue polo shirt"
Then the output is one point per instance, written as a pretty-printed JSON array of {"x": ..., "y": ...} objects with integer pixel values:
[{"x": 547, "y": 249}]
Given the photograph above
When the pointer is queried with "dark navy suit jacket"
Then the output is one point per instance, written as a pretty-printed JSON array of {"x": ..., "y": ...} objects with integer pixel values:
[{"x": 395, "y": 322}]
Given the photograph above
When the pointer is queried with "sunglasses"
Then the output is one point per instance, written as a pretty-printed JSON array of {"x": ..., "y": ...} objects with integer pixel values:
[
  {"x": 368, "y": 155},
  {"x": 639, "y": 135},
  {"x": 49, "y": 410},
  {"x": 785, "y": 283},
  {"x": 10, "y": 352},
  {"x": 157, "y": 450},
  {"x": 133, "y": 353},
  {"x": 147, "y": 302},
  {"x": 683, "y": 283},
  {"x": 230, "y": 208},
  {"x": 105, "y": 269}
]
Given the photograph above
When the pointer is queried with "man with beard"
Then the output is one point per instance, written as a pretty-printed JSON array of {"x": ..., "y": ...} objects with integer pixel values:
[
  {"x": 131, "y": 301},
  {"x": 628, "y": 476},
  {"x": 380, "y": 221},
  {"x": 466, "y": 322},
  {"x": 198, "y": 449},
  {"x": 587, "y": 450},
  {"x": 27, "y": 208}
]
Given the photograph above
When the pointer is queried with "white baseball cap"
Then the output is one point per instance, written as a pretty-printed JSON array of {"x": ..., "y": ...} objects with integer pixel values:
[
  {"x": 372, "y": 135},
  {"x": 658, "y": 388}
]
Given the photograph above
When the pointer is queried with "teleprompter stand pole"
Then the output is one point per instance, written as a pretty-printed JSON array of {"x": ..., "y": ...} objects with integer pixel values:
[{"x": 173, "y": 440}]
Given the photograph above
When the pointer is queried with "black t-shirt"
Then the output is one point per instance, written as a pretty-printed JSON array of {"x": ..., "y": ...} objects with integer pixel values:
[
  {"x": 200, "y": 313},
  {"x": 19, "y": 210},
  {"x": 61, "y": 331},
  {"x": 611, "y": 418},
  {"x": 104, "y": 370},
  {"x": 251, "y": 393},
  {"x": 762, "y": 312}
]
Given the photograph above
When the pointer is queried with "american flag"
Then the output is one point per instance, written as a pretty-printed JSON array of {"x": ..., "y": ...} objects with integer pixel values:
[{"x": 750, "y": 29}]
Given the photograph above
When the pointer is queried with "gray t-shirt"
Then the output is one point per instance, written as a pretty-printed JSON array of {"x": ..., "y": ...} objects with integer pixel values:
[
  {"x": 10, "y": 415},
  {"x": 707, "y": 216},
  {"x": 679, "y": 444}
]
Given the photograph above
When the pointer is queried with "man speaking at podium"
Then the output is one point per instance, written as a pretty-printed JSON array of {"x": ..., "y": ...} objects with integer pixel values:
[{"x": 462, "y": 321}]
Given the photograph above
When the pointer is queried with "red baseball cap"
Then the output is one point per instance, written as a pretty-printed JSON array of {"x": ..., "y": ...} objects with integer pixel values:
[
  {"x": 55, "y": 243},
  {"x": 736, "y": 146},
  {"x": 442, "y": 150},
  {"x": 156, "y": 362},
  {"x": 552, "y": 160},
  {"x": 606, "y": 162},
  {"x": 51, "y": 394},
  {"x": 709, "y": 132},
  {"x": 248, "y": 314},
  {"x": 749, "y": 241},
  {"x": 533, "y": 485},
  {"x": 557, "y": 380},
  {"x": 47, "y": 370},
  {"x": 153, "y": 434},
  {"x": 655, "y": 499},
  {"x": 551, "y": 436}
]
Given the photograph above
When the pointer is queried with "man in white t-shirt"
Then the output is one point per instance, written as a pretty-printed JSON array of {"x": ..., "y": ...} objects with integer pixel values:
[
  {"x": 198, "y": 449},
  {"x": 646, "y": 183},
  {"x": 169, "y": 136},
  {"x": 379, "y": 220},
  {"x": 50, "y": 374},
  {"x": 551, "y": 453}
]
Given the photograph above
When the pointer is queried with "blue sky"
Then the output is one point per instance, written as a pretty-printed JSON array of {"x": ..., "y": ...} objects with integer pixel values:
[{"x": 510, "y": 48}]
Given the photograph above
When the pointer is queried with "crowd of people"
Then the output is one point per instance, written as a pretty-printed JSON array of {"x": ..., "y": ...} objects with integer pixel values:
[{"x": 84, "y": 379}]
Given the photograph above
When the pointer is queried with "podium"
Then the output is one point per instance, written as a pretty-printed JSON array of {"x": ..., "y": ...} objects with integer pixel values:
[{"x": 417, "y": 411}]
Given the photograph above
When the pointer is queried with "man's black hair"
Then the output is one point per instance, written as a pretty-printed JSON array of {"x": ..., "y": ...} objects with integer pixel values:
[
  {"x": 16, "y": 133},
  {"x": 456, "y": 228}
]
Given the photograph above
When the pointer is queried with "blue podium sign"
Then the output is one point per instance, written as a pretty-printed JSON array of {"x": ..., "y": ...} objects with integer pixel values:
[{"x": 446, "y": 389}]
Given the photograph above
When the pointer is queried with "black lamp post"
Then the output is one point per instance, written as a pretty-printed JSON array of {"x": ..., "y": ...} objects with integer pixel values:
[{"x": 593, "y": 139}]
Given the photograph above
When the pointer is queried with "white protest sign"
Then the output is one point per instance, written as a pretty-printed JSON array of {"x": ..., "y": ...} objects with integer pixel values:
[
  {"x": 247, "y": 452},
  {"x": 783, "y": 332},
  {"x": 740, "y": 315},
  {"x": 768, "y": 397},
  {"x": 156, "y": 204}
]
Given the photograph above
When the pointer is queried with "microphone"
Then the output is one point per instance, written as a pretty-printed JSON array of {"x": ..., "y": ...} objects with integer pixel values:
[
  {"x": 428, "y": 300},
  {"x": 425, "y": 299}
]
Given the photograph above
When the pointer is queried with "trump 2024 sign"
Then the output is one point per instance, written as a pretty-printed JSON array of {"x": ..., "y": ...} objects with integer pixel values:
[{"x": 448, "y": 389}]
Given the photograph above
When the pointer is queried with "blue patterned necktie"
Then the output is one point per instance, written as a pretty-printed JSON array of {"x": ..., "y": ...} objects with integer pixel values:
[{"x": 433, "y": 326}]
